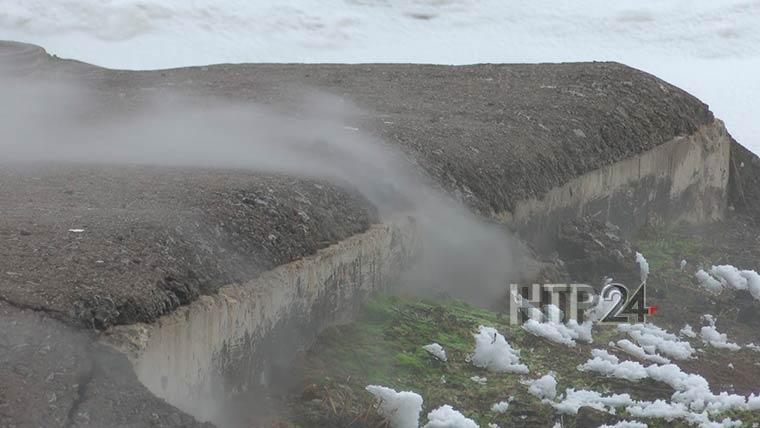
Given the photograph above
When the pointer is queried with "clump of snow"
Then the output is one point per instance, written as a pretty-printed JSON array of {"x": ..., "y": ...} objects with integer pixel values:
[
  {"x": 643, "y": 266},
  {"x": 688, "y": 331},
  {"x": 753, "y": 282},
  {"x": 650, "y": 336},
  {"x": 436, "y": 350},
  {"x": 446, "y": 417},
  {"x": 544, "y": 387},
  {"x": 730, "y": 276},
  {"x": 645, "y": 353},
  {"x": 708, "y": 282},
  {"x": 683, "y": 264},
  {"x": 626, "y": 424},
  {"x": 575, "y": 399},
  {"x": 493, "y": 353},
  {"x": 555, "y": 331},
  {"x": 401, "y": 409},
  {"x": 479, "y": 380},
  {"x": 711, "y": 336},
  {"x": 500, "y": 407},
  {"x": 609, "y": 365}
]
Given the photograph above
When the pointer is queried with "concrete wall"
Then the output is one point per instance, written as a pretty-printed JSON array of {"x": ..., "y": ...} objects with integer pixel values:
[
  {"x": 684, "y": 179},
  {"x": 223, "y": 344}
]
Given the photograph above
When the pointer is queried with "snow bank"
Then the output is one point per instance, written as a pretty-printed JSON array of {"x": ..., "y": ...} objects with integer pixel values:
[
  {"x": 436, "y": 350},
  {"x": 609, "y": 365},
  {"x": 446, "y": 417},
  {"x": 544, "y": 387},
  {"x": 401, "y": 409},
  {"x": 493, "y": 353}
]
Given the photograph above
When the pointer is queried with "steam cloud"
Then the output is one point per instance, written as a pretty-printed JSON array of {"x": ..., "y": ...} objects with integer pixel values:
[{"x": 44, "y": 122}]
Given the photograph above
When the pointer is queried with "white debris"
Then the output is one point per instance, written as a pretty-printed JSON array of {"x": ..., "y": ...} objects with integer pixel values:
[
  {"x": 500, "y": 407},
  {"x": 649, "y": 335},
  {"x": 493, "y": 425},
  {"x": 401, "y": 409},
  {"x": 683, "y": 264},
  {"x": 493, "y": 353},
  {"x": 708, "y": 282},
  {"x": 647, "y": 353},
  {"x": 76, "y": 230},
  {"x": 544, "y": 387},
  {"x": 436, "y": 350},
  {"x": 626, "y": 424},
  {"x": 730, "y": 276},
  {"x": 479, "y": 380},
  {"x": 446, "y": 417},
  {"x": 731, "y": 366},
  {"x": 643, "y": 266},
  {"x": 688, "y": 331}
]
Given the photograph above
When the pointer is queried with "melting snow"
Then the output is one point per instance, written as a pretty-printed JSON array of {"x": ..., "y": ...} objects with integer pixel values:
[
  {"x": 500, "y": 407},
  {"x": 649, "y": 335},
  {"x": 446, "y": 417},
  {"x": 436, "y": 350},
  {"x": 708, "y": 282},
  {"x": 402, "y": 409},
  {"x": 544, "y": 388},
  {"x": 643, "y": 266},
  {"x": 493, "y": 353},
  {"x": 712, "y": 337}
]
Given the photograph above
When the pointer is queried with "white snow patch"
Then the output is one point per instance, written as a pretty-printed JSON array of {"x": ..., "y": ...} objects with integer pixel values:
[
  {"x": 479, "y": 380},
  {"x": 626, "y": 424},
  {"x": 544, "y": 387},
  {"x": 76, "y": 230},
  {"x": 637, "y": 351},
  {"x": 688, "y": 331},
  {"x": 500, "y": 407},
  {"x": 708, "y": 282},
  {"x": 753, "y": 282},
  {"x": 575, "y": 399},
  {"x": 643, "y": 266},
  {"x": 401, "y": 409},
  {"x": 649, "y": 335},
  {"x": 712, "y": 337},
  {"x": 555, "y": 331},
  {"x": 730, "y": 276},
  {"x": 446, "y": 417},
  {"x": 436, "y": 350},
  {"x": 493, "y": 353}
]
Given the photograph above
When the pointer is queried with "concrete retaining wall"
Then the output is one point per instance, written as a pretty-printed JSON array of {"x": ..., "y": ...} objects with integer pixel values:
[
  {"x": 223, "y": 344},
  {"x": 684, "y": 179}
]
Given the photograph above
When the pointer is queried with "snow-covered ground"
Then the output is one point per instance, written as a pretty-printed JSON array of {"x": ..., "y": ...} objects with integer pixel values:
[{"x": 710, "y": 48}]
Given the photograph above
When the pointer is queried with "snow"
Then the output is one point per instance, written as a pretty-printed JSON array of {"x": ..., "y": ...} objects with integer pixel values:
[
  {"x": 575, "y": 399},
  {"x": 401, "y": 409},
  {"x": 493, "y": 353},
  {"x": 753, "y": 282},
  {"x": 500, "y": 407},
  {"x": 643, "y": 266},
  {"x": 640, "y": 352},
  {"x": 76, "y": 230},
  {"x": 712, "y": 337},
  {"x": 730, "y": 276},
  {"x": 688, "y": 331},
  {"x": 479, "y": 380},
  {"x": 544, "y": 387},
  {"x": 708, "y": 282},
  {"x": 709, "y": 48},
  {"x": 555, "y": 331},
  {"x": 436, "y": 350},
  {"x": 446, "y": 417},
  {"x": 626, "y": 424},
  {"x": 649, "y": 335},
  {"x": 609, "y": 365}
]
